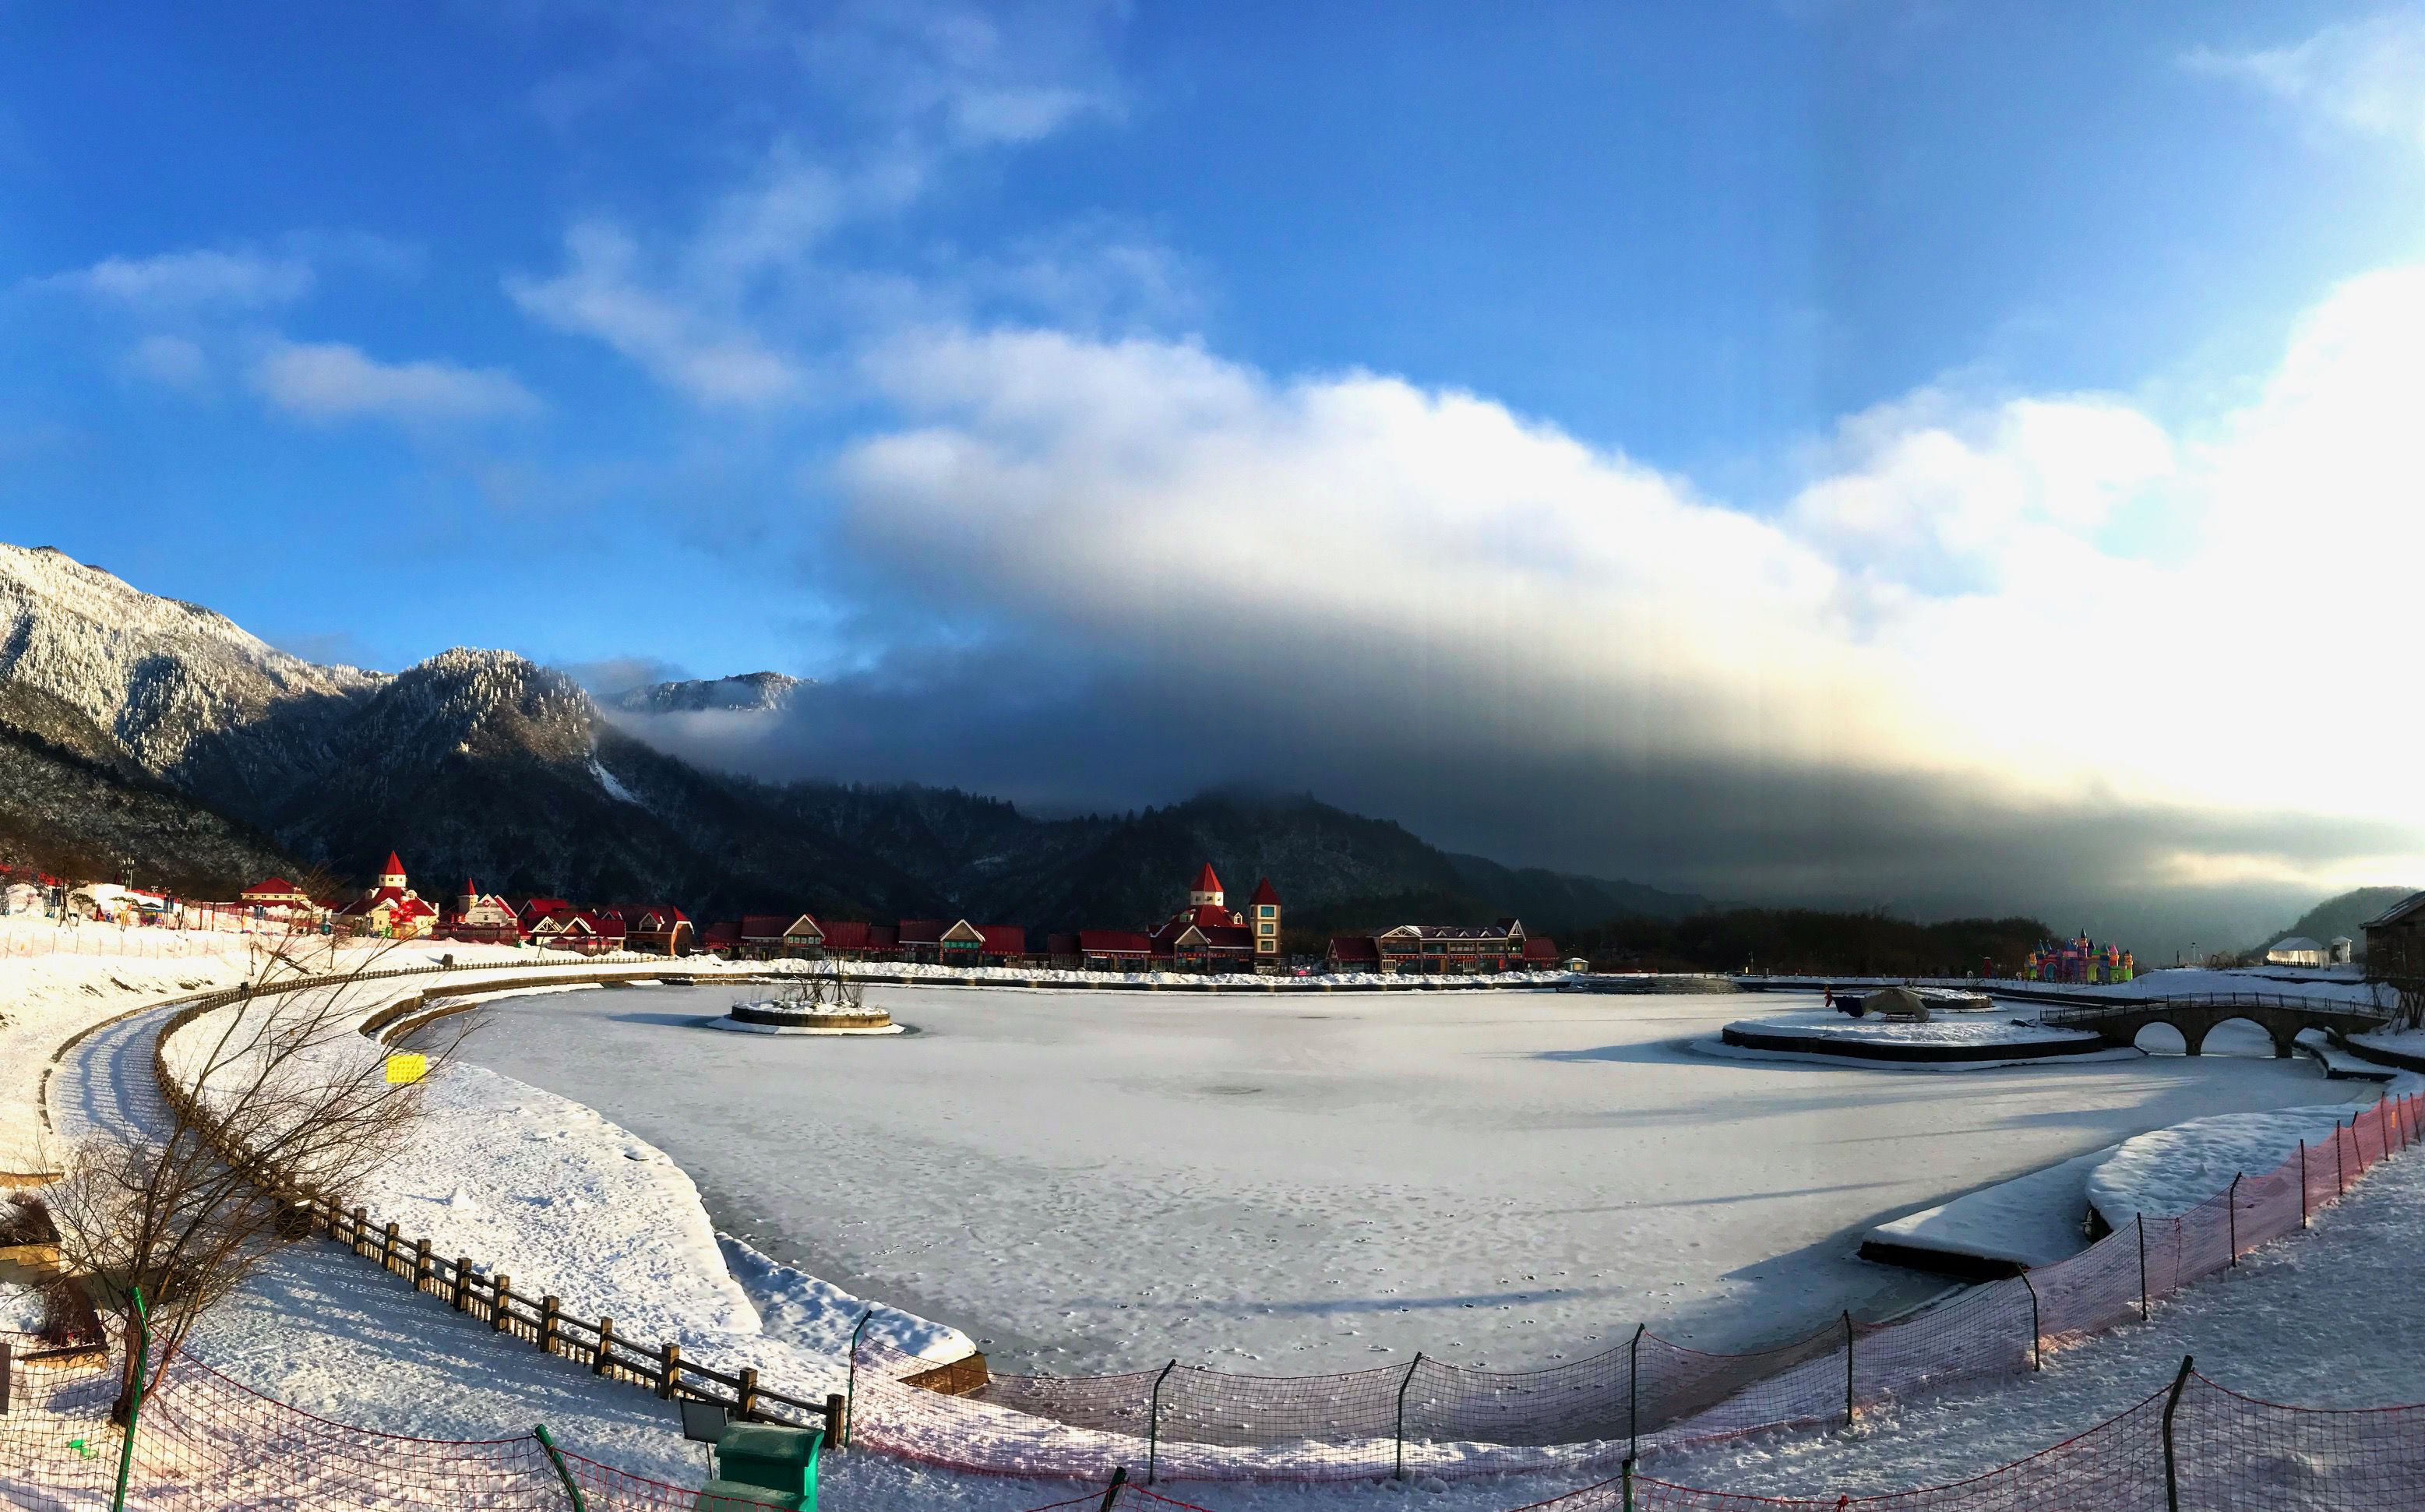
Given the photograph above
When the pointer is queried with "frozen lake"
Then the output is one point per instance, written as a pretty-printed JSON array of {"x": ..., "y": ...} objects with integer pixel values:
[{"x": 1091, "y": 1181}]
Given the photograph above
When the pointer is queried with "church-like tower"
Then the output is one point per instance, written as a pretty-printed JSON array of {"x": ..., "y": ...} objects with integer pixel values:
[
  {"x": 1206, "y": 893},
  {"x": 394, "y": 876}
]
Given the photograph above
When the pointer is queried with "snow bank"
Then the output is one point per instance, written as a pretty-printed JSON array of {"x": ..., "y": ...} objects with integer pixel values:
[
  {"x": 2182, "y": 981},
  {"x": 20, "y": 1308},
  {"x": 2031, "y": 1220},
  {"x": 2168, "y": 1171},
  {"x": 1968, "y": 1030}
]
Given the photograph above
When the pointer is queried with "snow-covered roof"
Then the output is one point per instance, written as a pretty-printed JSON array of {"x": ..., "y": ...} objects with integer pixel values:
[{"x": 2295, "y": 942}]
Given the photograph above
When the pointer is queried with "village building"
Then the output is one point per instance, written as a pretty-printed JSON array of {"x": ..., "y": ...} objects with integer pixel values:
[
  {"x": 959, "y": 943},
  {"x": 1444, "y": 949},
  {"x": 658, "y": 927},
  {"x": 2394, "y": 945},
  {"x": 1113, "y": 950},
  {"x": 853, "y": 940},
  {"x": 391, "y": 909},
  {"x": 1208, "y": 935},
  {"x": 274, "y": 892},
  {"x": 781, "y": 937},
  {"x": 483, "y": 917}
]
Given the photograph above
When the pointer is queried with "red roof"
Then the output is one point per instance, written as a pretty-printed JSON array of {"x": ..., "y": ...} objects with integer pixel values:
[
  {"x": 1206, "y": 881},
  {"x": 1265, "y": 893},
  {"x": 723, "y": 932},
  {"x": 395, "y": 865},
  {"x": 271, "y": 886},
  {"x": 1355, "y": 949},
  {"x": 868, "y": 937},
  {"x": 772, "y": 926},
  {"x": 922, "y": 931},
  {"x": 1114, "y": 942},
  {"x": 1002, "y": 940},
  {"x": 1540, "y": 947}
]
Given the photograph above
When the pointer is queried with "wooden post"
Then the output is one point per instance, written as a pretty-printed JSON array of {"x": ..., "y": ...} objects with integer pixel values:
[
  {"x": 669, "y": 1367},
  {"x": 462, "y": 1283},
  {"x": 387, "y": 1248},
  {"x": 421, "y": 1272},
  {"x": 501, "y": 1290},
  {"x": 605, "y": 1342},
  {"x": 547, "y": 1314},
  {"x": 746, "y": 1404},
  {"x": 354, "y": 1229},
  {"x": 837, "y": 1420}
]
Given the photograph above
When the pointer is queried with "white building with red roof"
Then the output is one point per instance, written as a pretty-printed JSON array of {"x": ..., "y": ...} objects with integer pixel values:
[{"x": 391, "y": 909}]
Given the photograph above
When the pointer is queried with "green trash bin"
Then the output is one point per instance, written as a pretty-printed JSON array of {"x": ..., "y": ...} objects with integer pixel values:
[{"x": 760, "y": 1465}]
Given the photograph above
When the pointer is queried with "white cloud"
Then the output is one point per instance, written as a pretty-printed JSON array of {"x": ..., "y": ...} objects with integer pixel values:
[
  {"x": 176, "y": 281},
  {"x": 169, "y": 360},
  {"x": 1961, "y": 593},
  {"x": 331, "y": 381},
  {"x": 675, "y": 331},
  {"x": 2365, "y": 75}
]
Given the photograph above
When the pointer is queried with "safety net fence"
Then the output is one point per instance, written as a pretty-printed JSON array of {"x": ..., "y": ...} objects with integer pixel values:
[
  {"x": 1432, "y": 1418},
  {"x": 202, "y": 1441},
  {"x": 205, "y": 1441}
]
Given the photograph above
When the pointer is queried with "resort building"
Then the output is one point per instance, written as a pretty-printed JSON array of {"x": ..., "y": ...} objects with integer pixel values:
[
  {"x": 1444, "y": 948},
  {"x": 391, "y": 909},
  {"x": 1208, "y": 934}
]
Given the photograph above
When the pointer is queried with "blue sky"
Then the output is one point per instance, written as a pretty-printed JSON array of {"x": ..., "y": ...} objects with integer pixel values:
[{"x": 835, "y": 339}]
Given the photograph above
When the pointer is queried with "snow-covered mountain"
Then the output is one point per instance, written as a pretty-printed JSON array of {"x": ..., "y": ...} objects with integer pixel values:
[
  {"x": 159, "y": 730},
  {"x": 186, "y": 694},
  {"x": 746, "y": 693}
]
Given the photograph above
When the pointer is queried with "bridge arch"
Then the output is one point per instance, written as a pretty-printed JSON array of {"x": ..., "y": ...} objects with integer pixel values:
[
  {"x": 2281, "y": 1033},
  {"x": 2161, "y": 1036}
]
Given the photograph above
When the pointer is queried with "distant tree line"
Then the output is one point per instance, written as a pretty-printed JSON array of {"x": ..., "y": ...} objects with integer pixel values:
[{"x": 1807, "y": 942}]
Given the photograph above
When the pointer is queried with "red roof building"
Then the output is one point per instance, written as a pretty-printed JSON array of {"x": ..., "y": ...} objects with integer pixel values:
[
  {"x": 1436, "y": 948},
  {"x": 1209, "y": 935},
  {"x": 391, "y": 909}
]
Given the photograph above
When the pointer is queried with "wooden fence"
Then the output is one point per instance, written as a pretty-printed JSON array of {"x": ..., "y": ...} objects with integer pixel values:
[{"x": 470, "y": 1288}]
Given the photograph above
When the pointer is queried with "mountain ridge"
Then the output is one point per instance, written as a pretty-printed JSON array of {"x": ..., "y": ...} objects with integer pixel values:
[{"x": 484, "y": 764}]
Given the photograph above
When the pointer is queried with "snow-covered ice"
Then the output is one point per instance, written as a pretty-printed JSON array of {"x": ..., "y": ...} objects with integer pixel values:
[
  {"x": 1971, "y": 1029},
  {"x": 1098, "y": 1182},
  {"x": 2033, "y": 1219}
]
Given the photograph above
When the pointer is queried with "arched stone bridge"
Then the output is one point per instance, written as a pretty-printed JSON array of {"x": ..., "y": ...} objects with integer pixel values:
[{"x": 2280, "y": 1016}]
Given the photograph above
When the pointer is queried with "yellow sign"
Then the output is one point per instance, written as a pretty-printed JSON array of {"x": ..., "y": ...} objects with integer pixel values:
[{"x": 404, "y": 1069}]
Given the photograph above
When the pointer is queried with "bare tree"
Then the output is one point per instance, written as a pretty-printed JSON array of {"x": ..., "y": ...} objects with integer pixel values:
[{"x": 271, "y": 1099}]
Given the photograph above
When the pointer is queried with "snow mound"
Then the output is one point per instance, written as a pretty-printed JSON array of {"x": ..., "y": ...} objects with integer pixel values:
[
  {"x": 1968, "y": 1030},
  {"x": 2168, "y": 1171}
]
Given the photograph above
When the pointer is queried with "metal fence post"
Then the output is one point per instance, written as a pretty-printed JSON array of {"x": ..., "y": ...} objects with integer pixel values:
[
  {"x": 1634, "y": 1394},
  {"x": 1401, "y": 1472},
  {"x": 850, "y": 1384},
  {"x": 2143, "y": 1267},
  {"x": 1153, "y": 1424},
  {"x": 2340, "y": 1163},
  {"x": 2302, "y": 1183},
  {"x": 2172, "y": 1468},
  {"x": 2231, "y": 1216},
  {"x": 135, "y": 1403},
  {"x": 1848, "y": 1367},
  {"x": 1628, "y": 1484},
  {"x": 2038, "y": 1338},
  {"x": 1112, "y": 1492},
  {"x": 563, "y": 1471}
]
